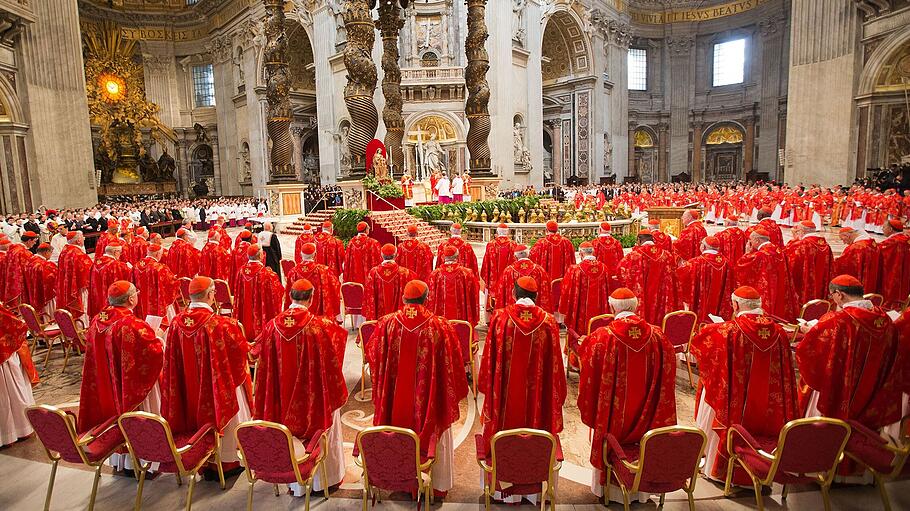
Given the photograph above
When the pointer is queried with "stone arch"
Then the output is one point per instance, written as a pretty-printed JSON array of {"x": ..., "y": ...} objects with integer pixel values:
[
  {"x": 416, "y": 117},
  {"x": 566, "y": 45},
  {"x": 295, "y": 33},
  {"x": 650, "y": 131},
  {"x": 882, "y": 57},
  {"x": 720, "y": 124},
  {"x": 9, "y": 102}
]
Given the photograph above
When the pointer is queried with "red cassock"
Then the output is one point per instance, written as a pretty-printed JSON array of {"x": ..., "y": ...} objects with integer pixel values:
[
  {"x": 302, "y": 240},
  {"x": 105, "y": 272},
  {"x": 383, "y": 289},
  {"x": 257, "y": 298},
  {"x": 40, "y": 279},
  {"x": 584, "y": 294},
  {"x": 74, "y": 267},
  {"x": 555, "y": 253},
  {"x": 454, "y": 293},
  {"x": 505, "y": 288},
  {"x": 205, "y": 362},
  {"x": 774, "y": 232},
  {"x": 361, "y": 255},
  {"x": 607, "y": 250},
  {"x": 239, "y": 258},
  {"x": 183, "y": 259},
  {"x": 123, "y": 361},
  {"x": 157, "y": 287},
  {"x": 326, "y": 288},
  {"x": 498, "y": 255},
  {"x": 903, "y": 331},
  {"x": 627, "y": 384},
  {"x": 17, "y": 260},
  {"x": 688, "y": 244},
  {"x": 851, "y": 358},
  {"x": 746, "y": 370},
  {"x": 12, "y": 340},
  {"x": 135, "y": 250},
  {"x": 766, "y": 270},
  {"x": 662, "y": 240},
  {"x": 330, "y": 252},
  {"x": 417, "y": 372},
  {"x": 416, "y": 256},
  {"x": 215, "y": 262},
  {"x": 466, "y": 255},
  {"x": 809, "y": 261},
  {"x": 705, "y": 284},
  {"x": 521, "y": 372},
  {"x": 732, "y": 243},
  {"x": 299, "y": 380},
  {"x": 894, "y": 283},
  {"x": 103, "y": 241},
  {"x": 225, "y": 240},
  {"x": 651, "y": 274},
  {"x": 862, "y": 260}
]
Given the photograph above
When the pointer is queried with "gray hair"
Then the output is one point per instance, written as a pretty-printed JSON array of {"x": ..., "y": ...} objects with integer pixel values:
[
  {"x": 121, "y": 300},
  {"x": 746, "y": 304},
  {"x": 626, "y": 305}
]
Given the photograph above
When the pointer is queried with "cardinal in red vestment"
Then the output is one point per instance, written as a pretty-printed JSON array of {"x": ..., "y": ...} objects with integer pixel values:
[
  {"x": 765, "y": 269},
  {"x": 74, "y": 268},
  {"x": 650, "y": 272},
  {"x": 225, "y": 238},
  {"x": 384, "y": 285},
  {"x": 239, "y": 256},
  {"x": 628, "y": 380},
  {"x": 607, "y": 249},
  {"x": 157, "y": 285},
  {"x": 554, "y": 252},
  {"x": 137, "y": 247},
  {"x": 415, "y": 255},
  {"x": 258, "y": 295},
  {"x": 688, "y": 244},
  {"x": 106, "y": 270},
  {"x": 503, "y": 294},
  {"x": 361, "y": 255},
  {"x": 303, "y": 238},
  {"x": 215, "y": 261},
  {"x": 155, "y": 239},
  {"x": 40, "y": 279},
  {"x": 454, "y": 290},
  {"x": 860, "y": 258},
  {"x": 466, "y": 256},
  {"x": 732, "y": 241},
  {"x": 106, "y": 237},
  {"x": 325, "y": 298},
  {"x": 706, "y": 282},
  {"x": 746, "y": 370},
  {"x": 809, "y": 261},
  {"x": 18, "y": 258},
  {"x": 894, "y": 279},
  {"x": 329, "y": 249},
  {"x": 770, "y": 226},
  {"x": 661, "y": 239},
  {"x": 299, "y": 380},
  {"x": 498, "y": 255},
  {"x": 183, "y": 257},
  {"x": 206, "y": 377},
  {"x": 418, "y": 378},
  {"x": 585, "y": 291},
  {"x": 17, "y": 373}
]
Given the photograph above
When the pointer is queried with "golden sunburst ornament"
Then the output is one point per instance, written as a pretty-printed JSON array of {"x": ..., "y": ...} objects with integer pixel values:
[{"x": 113, "y": 86}]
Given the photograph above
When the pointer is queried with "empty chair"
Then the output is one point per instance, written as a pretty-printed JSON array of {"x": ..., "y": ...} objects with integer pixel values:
[
  {"x": 286, "y": 266},
  {"x": 390, "y": 459},
  {"x": 223, "y": 297},
  {"x": 520, "y": 462},
  {"x": 814, "y": 309},
  {"x": 679, "y": 326},
  {"x": 469, "y": 348},
  {"x": 352, "y": 298},
  {"x": 72, "y": 335},
  {"x": 884, "y": 458},
  {"x": 41, "y": 328}
]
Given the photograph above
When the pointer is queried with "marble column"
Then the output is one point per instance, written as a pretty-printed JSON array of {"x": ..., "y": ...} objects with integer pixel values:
[
  {"x": 361, "y": 81},
  {"x": 697, "y": 132},
  {"x": 327, "y": 118},
  {"x": 556, "y": 156},
  {"x": 663, "y": 137},
  {"x": 477, "y": 104},
  {"x": 390, "y": 24},
  {"x": 614, "y": 114},
  {"x": 773, "y": 32},
  {"x": 632, "y": 171},
  {"x": 682, "y": 64},
  {"x": 160, "y": 69},
  {"x": 749, "y": 145}
]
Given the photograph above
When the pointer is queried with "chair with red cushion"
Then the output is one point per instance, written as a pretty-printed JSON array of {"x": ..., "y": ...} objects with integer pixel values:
[
  {"x": 363, "y": 335},
  {"x": 808, "y": 450},
  {"x": 223, "y": 297},
  {"x": 267, "y": 453},
  {"x": 679, "y": 326},
  {"x": 598, "y": 322},
  {"x": 352, "y": 298},
  {"x": 667, "y": 459},
  {"x": 286, "y": 266},
  {"x": 72, "y": 335},
  {"x": 876, "y": 299},
  {"x": 391, "y": 460},
  {"x": 183, "y": 299},
  {"x": 520, "y": 462},
  {"x": 573, "y": 337},
  {"x": 150, "y": 440},
  {"x": 41, "y": 328},
  {"x": 814, "y": 309},
  {"x": 555, "y": 292},
  {"x": 56, "y": 429},
  {"x": 469, "y": 348},
  {"x": 885, "y": 458}
]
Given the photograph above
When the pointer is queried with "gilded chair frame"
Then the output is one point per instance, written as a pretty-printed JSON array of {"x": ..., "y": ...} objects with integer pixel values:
[
  {"x": 80, "y": 336},
  {"x": 307, "y": 483},
  {"x": 230, "y": 293},
  {"x": 635, "y": 468},
  {"x": 824, "y": 480},
  {"x": 182, "y": 301},
  {"x": 361, "y": 396},
  {"x": 475, "y": 347},
  {"x": 810, "y": 303},
  {"x": 344, "y": 309},
  {"x": 42, "y": 335},
  {"x": 424, "y": 484},
  {"x": 597, "y": 318},
  {"x": 489, "y": 487},
  {"x": 663, "y": 326},
  {"x": 871, "y": 296},
  {"x": 176, "y": 452},
  {"x": 901, "y": 454}
]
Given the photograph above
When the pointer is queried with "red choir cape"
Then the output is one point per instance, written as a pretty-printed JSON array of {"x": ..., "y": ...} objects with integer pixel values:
[
  {"x": 809, "y": 261},
  {"x": 257, "y": 298},
  {"x": 705, "y": 284},
  {"x": 746, "y": 369},
  {"x": 326, "y": 288},
  {"x": 903, "y": 331},
  {"x": 123, "y": 361},
  {"x": 732, "y": 243},
  {"x": 766, "y": 270},
  {"x": 505, "y": 288},
  {"x": 777, "y": 237},
  {"x": 225, "y": 240},
  {"x": 555, "y": 253},
  {"x": 40, "y": 279},
  {"x": 12, "y": 340},
  {"x": 216, "y": 262},
  {"x": 299, "y": 380},
  {"x": 205, "y": 362},
  {"x": 17, "y": 260},
  {"x": 466, "y": 255},
  {"x": 361, "y": 255},
  {"x": 862, "y": 260},
  {"x": 157, "y": 287},
  {"x": 651, "y": 274},
  {"x": 416, "y": 256},
  {"x": 627, "y": 384},
  {"x": 183, "y": 259},
  {"x": 103, "y": 241},
  {"x": 894, "y": 283},
  {"x": 521, "y": 372},
  {"x": 417, "y": 372},
  {"x": 688, "y": 245},
  {"x": 454, "y": 293},
  {"x": 607, "y": 250},
  {"x": 585, "y": 293},
  {"x": 662, "y": 240},
  {"x": 74, "y": 267},
  {"x": 239, "y": 258},
  {"x": 383, "y": 289},
  {"x": 135, "y": 250},
  {"x": 498, "y": 255},
  {"x": 302, "y": 240},
  {"x": 105, "y": 272},
  {"x": 330, "y": 252}
]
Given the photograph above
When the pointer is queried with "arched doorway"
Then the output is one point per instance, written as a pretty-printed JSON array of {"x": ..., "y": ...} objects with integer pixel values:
[
  {"x": 645, "y": 158},
  {"x": 723, "y": 150},
  {"x": 202, "y": 166},
  {"x": 304, "y": 139},
  {"x": 434, "y": 142},
  {"x": 15, "y": 179}
]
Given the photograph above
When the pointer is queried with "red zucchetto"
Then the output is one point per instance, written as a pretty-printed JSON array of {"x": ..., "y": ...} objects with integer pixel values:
[
  {"x": 527, "y": 283},
  {"x": 414, "y": 289}
]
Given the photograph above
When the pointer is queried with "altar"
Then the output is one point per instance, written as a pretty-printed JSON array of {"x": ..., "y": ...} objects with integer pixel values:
[{"x": 285, "y": 199}]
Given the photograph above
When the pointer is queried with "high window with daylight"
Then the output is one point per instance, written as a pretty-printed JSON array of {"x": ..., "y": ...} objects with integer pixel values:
[
  {"x": 729, "y": 62},
  {"x": 638, "y": 69},
  {"x": 204, "y": 85}
]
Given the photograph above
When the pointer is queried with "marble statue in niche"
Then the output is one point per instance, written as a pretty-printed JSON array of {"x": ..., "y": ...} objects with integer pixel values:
[
  {"x": 518, "y": 30},
  {"x": 522, "y": 154}
]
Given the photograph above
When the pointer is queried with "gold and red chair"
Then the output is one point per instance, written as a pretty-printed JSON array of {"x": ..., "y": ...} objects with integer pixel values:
[
  {"x": 392, "y": 460},
  {"x": 876, "y": 299},
  {"x": 885, "y": 458},
  {"x": 814, "y": 309},
  {"x": 364, "y": 331},
  {"x": 645, "y": 467},
  {"x": 572, "y": 338},
  {"x": 286, "y": 266},
  {"x": 224, "y": 300},
  {"x": 520, "y": 462},
  {"x": 72, "y": 335},
  {"x": 352, "y": 299},
  {"x": 41, "y": 328},
  {"x": 183, "y": 298},
  {"x": 150, "y": 440},
  {"x": 469, "y": 348},
  {"x": 56, "y": 429},
  {"x": 555, "y": 293},
  {"x": 807, "y": 451},
  {"x": 679, "y": 327},
  {"x": 267, "y": 454}
]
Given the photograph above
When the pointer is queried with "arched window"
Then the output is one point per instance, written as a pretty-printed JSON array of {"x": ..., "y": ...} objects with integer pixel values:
[{"x": 429, "y": 59}]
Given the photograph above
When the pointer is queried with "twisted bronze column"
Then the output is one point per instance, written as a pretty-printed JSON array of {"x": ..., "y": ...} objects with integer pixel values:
[
  {"x": 475, "y": 76},
  {"x": 390, "y": 23},
  {"x": 358, "y": 93},
  {"x": 277, "y": 87}
]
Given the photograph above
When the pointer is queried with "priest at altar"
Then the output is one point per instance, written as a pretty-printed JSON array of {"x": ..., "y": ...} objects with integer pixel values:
[
  {"x": 553, "y": 252},
  {"x": 650, "y": 272},
  {"x": 454, "y": 290},
  {"x": 325, "y": 297},
  {"x": 17, "y": 373},
  {"x": 415, "y": 255},
  {"x": 361, "y": 255},
  {"x": 384, "y": 285}
]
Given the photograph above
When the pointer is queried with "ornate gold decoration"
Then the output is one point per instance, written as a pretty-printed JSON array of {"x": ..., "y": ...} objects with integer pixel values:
[
  {"x": 643, "y": 139},
  {"x": 634, "y": 332},
  {"x": 895, "y": 72},
  {"x": 300, "y": 59},
  {"x": 475, "y": 76},
  {"x": 277, "y": 89},
  {"x": 362, "y": 77},
  {"x": 725, "y": 135},
  {"x": 390, "y": 23},
  {"x": 289, "y": 321},
  {"x": 431, "y": 124},
  {"x": 411, "y": 313},
  {"x": 525, "y": 316},
  {"x": 649, "y": 17}
]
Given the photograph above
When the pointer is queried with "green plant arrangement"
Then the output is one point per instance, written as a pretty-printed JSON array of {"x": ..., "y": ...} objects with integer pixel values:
[
  {"x": 388, "y": 190},
  {"x": 475, "y": 211},
  {"x": 345, "y": 222}
]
